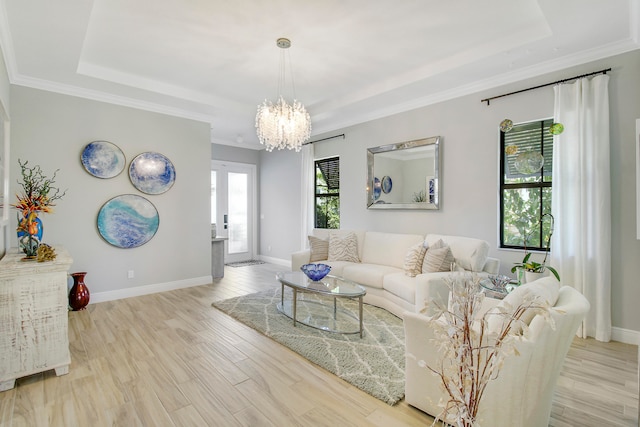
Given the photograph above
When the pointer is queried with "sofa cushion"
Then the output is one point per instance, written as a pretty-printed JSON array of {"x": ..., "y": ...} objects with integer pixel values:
[
  {"x": 413, "y": 260},
  {"x": 546, "y": 289},
  {"x": 319, "y": 249},
  {"x": 337, "y": 267},
  {"x": 343, "y": 247},
  {"x": 401, "y": 286},
  {"x": 371, "y": 275},
  {"x": 388, "y": 248},
  {"x": 438, "y": 258},
  {"x": 470, "y": 254}
]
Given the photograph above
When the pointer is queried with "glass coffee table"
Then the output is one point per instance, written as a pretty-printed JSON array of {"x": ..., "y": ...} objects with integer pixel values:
[
  {"x": 496, "y": 292},
  {"x": 318, "y": 311}
]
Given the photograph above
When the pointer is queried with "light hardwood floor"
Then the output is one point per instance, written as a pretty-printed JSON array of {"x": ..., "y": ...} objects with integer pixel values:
[{"x": 171, "y": 359}]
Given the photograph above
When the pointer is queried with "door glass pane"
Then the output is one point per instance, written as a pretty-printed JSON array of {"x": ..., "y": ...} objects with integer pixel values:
[
  {"x": 213, "y": 197},
  {"x": 238, "y": 213}
]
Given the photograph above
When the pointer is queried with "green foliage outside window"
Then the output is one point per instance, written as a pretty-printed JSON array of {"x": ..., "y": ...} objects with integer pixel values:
[
  {"x": 522, "y": 216},
  {"x": 327, "y": 193}
]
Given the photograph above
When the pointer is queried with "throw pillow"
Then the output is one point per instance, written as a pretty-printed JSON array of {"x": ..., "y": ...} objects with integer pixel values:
[
  {"x": 319, "y": 249},
  {"x": 413, "y": 260},
  {"x": 438, "y": 258},
  {"x": 343, "y": 248}
]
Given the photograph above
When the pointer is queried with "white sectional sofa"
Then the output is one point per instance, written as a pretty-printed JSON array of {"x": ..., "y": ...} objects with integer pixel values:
[{"x": 381, "y": 267}]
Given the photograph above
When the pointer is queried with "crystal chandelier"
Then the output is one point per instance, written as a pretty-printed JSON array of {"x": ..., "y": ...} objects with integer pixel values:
[{"x": 283, "y": 125}]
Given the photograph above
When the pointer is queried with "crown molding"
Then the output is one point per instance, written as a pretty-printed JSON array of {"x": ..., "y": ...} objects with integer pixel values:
[
  {"x": 537, "y": 70},
  {"x": 246, "y": 145},
  {"x": 109, "y": 98}
]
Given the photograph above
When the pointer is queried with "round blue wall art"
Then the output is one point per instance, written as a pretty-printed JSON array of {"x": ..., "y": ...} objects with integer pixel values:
[
  {"x": 103, "y": 159},
  {"x": 152, "y": 173},
  {"x": 128, "y": 221},
  {"x": 387, "y": 184},
  {"x": 376, "y": 188}
]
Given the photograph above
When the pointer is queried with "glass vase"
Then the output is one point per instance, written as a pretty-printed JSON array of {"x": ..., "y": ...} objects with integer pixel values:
[{"x": 30, "y": 232}]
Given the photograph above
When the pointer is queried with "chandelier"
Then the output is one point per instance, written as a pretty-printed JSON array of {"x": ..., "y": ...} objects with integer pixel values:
[{"x": 282, "y": 125}]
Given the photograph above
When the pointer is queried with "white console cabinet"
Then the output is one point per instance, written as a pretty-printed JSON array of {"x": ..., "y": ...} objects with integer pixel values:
[{"x": 33, "y": 316}]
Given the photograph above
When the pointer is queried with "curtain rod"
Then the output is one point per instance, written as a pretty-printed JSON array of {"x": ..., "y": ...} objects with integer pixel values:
[
  {"x": 324, "y": 139},
  {"x": 488, "y": 100}
]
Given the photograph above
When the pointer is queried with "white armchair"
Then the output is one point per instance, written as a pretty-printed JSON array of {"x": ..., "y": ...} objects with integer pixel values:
[{"x": 521, "y": 395}]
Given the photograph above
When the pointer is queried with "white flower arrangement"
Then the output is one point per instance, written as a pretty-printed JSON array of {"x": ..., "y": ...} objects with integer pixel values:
[{"x": 471, "y": 353}]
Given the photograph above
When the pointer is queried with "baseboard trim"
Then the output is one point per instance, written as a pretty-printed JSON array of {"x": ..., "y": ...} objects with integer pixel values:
[
  {"x": 277, "y": 261},
  {"x": 149, "y": 289},
  {"x": 626, "y": 336}
]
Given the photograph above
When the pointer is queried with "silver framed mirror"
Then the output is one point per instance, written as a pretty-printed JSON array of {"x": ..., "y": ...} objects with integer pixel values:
[{"x": 405, "y": 175}]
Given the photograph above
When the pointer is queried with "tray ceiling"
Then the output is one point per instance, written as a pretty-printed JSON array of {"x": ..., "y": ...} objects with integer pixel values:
[{"x": 352, "y": 60}]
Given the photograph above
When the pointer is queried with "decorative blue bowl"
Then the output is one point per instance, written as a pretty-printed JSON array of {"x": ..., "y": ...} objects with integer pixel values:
[{"x": 316, "y": 272}]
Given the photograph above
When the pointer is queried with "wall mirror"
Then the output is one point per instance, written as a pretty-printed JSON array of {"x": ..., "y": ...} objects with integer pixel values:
[{"x": 404, "y": 175}]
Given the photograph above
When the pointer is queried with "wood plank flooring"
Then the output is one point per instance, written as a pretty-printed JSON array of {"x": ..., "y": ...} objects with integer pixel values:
[{"x": 170, "y": 359}]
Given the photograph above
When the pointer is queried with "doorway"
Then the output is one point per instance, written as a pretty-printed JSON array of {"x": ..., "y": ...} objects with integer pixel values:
[{"x": 233, "y": 208}]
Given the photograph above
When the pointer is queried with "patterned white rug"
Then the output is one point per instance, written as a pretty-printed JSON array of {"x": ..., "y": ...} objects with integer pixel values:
[{"x": 374, "y": 363}]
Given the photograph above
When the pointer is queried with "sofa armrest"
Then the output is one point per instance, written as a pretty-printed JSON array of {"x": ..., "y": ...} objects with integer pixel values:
[
  {"x": 431, "y": 288},
  {"x": 300, "y": 258},
  {"x": 492, "y": 266}
]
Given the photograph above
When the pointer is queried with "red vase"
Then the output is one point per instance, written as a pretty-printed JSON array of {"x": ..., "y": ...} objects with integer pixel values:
[{"x": 79, "y": 294}]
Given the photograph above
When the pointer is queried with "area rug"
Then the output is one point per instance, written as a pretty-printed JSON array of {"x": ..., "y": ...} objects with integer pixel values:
[
  {"x": 374, "y": 363},
  {"x": 244, "y": 263}
]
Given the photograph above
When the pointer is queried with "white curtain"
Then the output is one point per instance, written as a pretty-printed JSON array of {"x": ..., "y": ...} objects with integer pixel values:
[
  {"x": 307, "y": 196},
  {"x": 581, "y": 246}
]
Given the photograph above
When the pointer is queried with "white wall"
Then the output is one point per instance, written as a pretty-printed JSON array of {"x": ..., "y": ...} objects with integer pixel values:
[
  {"x": 469, "y": 171},
  {"x": 51, "y": 130},
  {"x": 280, "y": 220}
]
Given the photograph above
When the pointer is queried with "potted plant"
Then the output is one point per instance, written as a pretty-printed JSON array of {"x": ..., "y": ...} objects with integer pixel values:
[
  {"x": 532, "y": 270},
  {"x": 420, "y": 197},
  {"x": 533, "y": 267}
]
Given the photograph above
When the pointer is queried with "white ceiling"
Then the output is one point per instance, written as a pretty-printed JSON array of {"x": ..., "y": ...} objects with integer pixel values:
[{"x": 352, "y": 60}]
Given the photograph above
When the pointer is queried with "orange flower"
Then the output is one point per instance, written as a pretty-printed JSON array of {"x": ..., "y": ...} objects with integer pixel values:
[{"x": 33, "y": 228}]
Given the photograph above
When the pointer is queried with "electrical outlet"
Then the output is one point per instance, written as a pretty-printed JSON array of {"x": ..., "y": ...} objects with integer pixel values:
[{"x": 130, "y": 274}]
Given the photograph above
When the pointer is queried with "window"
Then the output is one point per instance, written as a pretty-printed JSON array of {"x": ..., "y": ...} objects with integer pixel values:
[
  {"x": 327, "y": 193},
  {"x": 525, "y": 195}
]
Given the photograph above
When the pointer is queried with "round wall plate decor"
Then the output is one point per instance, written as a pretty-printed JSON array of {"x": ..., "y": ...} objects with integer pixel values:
[
  {"x": 376, "y": 188},
  {"x": 152, "y": 173},
  {"x": 387, "y": 184},
  {"x": 103, "y": 159},
  {"x": 128, "y": 221}
]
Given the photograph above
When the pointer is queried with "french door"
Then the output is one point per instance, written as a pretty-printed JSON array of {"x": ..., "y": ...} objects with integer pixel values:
[{"x": 233, "y": 208}]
